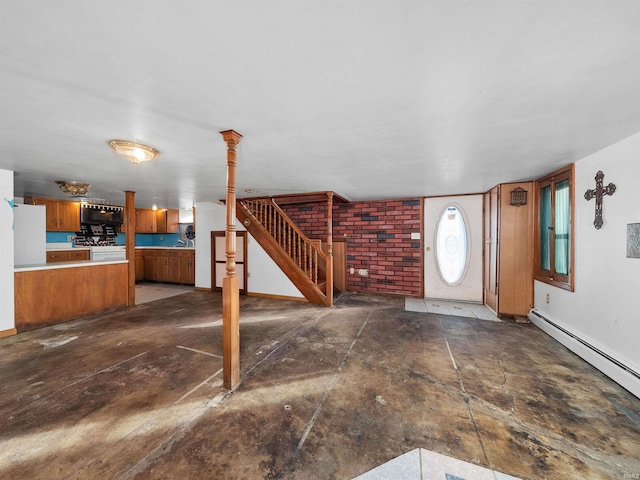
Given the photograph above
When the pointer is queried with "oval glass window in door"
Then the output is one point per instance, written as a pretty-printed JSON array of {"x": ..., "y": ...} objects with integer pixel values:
[{"x": 452, "y": 246}]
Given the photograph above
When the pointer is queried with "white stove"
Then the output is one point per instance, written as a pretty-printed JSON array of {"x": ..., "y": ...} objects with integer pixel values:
[{"x": 109, "y": 252}]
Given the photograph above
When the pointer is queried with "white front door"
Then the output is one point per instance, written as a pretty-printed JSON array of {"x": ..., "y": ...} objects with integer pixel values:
[{"x": 453, "y": 248}]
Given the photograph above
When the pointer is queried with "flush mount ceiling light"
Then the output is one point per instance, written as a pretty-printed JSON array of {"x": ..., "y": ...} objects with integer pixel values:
[
  {"x": 134, "y": 152},
  {"x": 75, "y": 189}
]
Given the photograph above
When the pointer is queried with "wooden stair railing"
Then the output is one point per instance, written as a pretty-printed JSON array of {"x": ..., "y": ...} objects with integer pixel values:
[{"x": 299, "y": 257}]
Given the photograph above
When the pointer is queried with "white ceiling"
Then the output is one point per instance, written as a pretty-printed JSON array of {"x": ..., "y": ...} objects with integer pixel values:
[{"x": 370, "y": 99}]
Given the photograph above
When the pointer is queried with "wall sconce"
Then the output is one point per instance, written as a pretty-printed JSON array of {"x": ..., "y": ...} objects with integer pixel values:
[
  {"x": 518, "y": 197},
  {"x": 74, "y": 189},
  {"x": 134, "y": 152}
]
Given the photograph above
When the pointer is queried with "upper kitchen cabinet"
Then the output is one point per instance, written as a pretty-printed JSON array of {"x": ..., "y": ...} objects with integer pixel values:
[
  {"x": 61, "y": 216},
  {"x": 167, "y": 221},
  {"x": 145, "y": 220},
  {"x": 156, "y": 221}
]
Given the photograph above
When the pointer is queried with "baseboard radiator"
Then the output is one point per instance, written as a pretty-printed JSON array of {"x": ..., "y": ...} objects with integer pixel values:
[{"x": 595, "y": 356}]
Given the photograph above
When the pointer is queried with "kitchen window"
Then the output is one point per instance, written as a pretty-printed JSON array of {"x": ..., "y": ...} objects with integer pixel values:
[{"x": 554, "y": 228}]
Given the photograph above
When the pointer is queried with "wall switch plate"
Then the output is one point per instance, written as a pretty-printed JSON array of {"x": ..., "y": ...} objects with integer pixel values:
[
  {"x": 415, "y": 235},
  {"x": 363, "y": 272},
  {"x": 352, "y": 270}
]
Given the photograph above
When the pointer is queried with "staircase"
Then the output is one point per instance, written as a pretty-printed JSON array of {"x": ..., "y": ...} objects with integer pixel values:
[{"x": 302, "y": 259}]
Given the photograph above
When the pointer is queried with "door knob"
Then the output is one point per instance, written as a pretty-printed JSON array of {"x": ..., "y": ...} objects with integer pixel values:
[{"x": 428, "y": 249}]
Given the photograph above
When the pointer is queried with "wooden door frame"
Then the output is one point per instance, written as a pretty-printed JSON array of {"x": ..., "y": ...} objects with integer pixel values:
[{"x": 221, "y": 233}]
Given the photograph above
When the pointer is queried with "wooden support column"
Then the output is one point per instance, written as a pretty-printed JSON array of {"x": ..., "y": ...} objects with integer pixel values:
[
  {"x": 130, "y": 245},
  {"x": 329, "y": 248},
  {"x": 230, "y": 289}
]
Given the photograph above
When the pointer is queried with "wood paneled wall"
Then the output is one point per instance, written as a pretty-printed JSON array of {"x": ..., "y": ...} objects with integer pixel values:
[{"x": 47, "y": 297}]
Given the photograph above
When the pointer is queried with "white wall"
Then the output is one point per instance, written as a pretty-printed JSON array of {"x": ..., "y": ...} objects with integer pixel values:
[
  {"x": 7, "y": 321},
  {"x": 604, "y": 309},
  {"x": 264, "y": 275}
]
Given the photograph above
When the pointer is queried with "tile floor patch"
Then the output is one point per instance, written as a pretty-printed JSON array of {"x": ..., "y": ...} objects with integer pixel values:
[
  {"x": 446, "y": 307},
  {"x": 453, "y": 477},
  {"x": 404, "y": 467},
  {"x": 421, "y": 464},
  {"x": 150, "y": 292}
]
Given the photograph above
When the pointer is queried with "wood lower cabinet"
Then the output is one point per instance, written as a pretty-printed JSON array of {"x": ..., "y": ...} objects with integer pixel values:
[
  {"x": 508, "y": 272},
  {"x": 187, "y": 267},
  {"x": 149, "y": 263},
  {"x": 53, "y": 295},
  {"x": 54, "y": 256},
  {"x": 139, "y": 266},
  {"x": 168, "y": 265}
]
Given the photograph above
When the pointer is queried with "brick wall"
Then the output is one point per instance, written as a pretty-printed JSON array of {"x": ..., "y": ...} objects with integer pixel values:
[
  {"x": 378, "y": 237},
  {"x": 311, "y": 218}
]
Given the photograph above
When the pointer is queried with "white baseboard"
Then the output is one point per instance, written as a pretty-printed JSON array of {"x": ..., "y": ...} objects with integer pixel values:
[{"x": 613, "y": 368}]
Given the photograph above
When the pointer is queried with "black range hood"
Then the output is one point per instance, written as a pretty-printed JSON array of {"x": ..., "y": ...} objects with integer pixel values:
[{"x": 101, "y": 214}]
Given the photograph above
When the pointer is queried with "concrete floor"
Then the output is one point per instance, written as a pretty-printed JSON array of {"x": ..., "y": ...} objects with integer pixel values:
[{"x": 326, "y": 393}]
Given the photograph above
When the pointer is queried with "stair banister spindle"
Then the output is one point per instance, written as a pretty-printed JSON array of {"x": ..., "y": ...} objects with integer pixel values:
[{"x": 315, "y": 262}]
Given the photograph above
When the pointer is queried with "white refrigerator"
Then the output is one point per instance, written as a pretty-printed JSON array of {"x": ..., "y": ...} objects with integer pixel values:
[{"x": 29, "y": 235}]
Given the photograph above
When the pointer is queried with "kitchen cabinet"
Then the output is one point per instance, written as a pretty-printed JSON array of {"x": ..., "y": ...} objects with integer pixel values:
[
  {"x": 170, "y": 265},
  {"x": 167, "y": 221},
  {"x": 139, "y": 266},
  {"x": 149, "y": 264},
  {"x": 61, "y": 216},
  {"x": 187, "y": 267},
  {"x": 172, "y": 268},
  {"x": 145, "y": 220},
  {"x": 167, "y": 266},
  {"x": 51, "y": 295},
  {"x": 157, "y": 221},
  {"x": 508, "y": 271},
  {"x": 54, "y": 256}
]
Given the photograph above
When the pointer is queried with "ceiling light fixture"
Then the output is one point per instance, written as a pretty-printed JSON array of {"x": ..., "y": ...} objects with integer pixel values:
[
  {"x": 134, "y": 152},
  {"x": 75, "y": 189}
]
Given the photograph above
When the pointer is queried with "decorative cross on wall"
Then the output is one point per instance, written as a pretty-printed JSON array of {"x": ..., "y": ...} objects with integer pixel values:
[{"x": 598, "y": 193}]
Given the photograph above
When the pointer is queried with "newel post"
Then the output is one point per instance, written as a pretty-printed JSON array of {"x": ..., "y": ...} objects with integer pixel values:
[
  {"x": 329, "y": 274},
  {"x": 230, "y": 289}
]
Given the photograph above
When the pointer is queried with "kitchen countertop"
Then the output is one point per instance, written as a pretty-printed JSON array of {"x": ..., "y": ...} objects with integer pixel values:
[
  {"x": 58, "y": 265},
  {"x": 166, "y": 248}
]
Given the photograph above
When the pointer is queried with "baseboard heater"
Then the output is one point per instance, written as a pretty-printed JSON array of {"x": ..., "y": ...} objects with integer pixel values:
[{"x": 586, "y": 344}]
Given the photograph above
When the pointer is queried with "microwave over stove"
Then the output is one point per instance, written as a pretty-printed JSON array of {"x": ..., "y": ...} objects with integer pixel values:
[{"x": 101, "y": 214}]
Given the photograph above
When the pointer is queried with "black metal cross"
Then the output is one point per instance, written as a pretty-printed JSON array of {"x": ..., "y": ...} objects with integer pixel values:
[{"x": 598, "y": 193}]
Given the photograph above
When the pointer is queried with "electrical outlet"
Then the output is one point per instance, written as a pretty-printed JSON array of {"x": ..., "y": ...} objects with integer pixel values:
[
  {"x": 71, "y": 238},
  {"x": 548, "y": 298},
  {"x": 415, "y": 235}
]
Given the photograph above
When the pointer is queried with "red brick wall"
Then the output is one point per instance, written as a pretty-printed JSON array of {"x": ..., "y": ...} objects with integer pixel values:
[
  {"x": 378, "y": 237},
  {"x": 311, "y": 218}
]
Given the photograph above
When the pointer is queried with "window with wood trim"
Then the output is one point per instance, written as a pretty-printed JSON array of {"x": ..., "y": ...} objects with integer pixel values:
[{"x": 554, "y": 228}]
